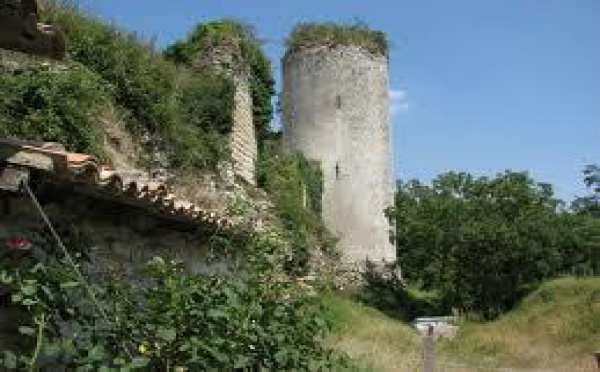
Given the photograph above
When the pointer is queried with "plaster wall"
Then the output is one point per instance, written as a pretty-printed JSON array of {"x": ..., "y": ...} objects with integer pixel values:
[{"x": 336, "y": 110}]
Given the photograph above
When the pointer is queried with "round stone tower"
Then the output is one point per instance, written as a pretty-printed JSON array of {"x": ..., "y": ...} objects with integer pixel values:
[{"x": 335, "y": 105}]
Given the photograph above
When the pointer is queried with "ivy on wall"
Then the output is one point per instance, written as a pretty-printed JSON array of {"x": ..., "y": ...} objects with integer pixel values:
[
  {"x": 295, "y": 185},
  {"x": 240, "y": 42}
]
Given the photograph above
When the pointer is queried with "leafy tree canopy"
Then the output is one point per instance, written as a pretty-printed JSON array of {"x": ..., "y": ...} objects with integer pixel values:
[
  {"x": 589, "y": 204},
  {"x": 482, "y": 242}
]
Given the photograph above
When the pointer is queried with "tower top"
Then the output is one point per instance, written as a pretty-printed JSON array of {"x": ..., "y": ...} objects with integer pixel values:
[{"x": 311, "y": 35}]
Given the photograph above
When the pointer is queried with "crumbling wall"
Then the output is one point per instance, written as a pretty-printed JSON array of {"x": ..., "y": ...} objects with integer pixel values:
[
  {"x": 118, "y": 237},
  {"x": 244, "y": 150},
  {"x": 224, "y": 59}
]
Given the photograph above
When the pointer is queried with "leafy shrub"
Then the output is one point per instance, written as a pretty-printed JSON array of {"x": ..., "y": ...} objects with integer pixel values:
[
  {"x": 256, "y": 319},
  {"x": 310, "y": 35},
  {"x": 485, "y": 242},
  {"x": 51, "y": 103},
  {"x": 295, "y": 186},
  {"x": 385, "y": 290},
  {"x": 189, "y": 110},
  {"x": 241, "y": 41}
]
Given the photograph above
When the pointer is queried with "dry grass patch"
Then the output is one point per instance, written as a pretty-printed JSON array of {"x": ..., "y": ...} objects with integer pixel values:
[
  {"x": 556, "y": 328},
  {"x": 373, "y": 339}
]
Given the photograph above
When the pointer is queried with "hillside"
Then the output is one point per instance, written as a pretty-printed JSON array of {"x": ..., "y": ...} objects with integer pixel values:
[{"x": 557, "y": 327}]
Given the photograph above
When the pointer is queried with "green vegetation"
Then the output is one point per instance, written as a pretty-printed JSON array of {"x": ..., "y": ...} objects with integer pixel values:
[
  {"x": 238, "y": 41},
  {"x": 54, "y": 104},
  {"x": 190, "y": 112},
  {"x": 256, "y": 319},
  {"x": 483, "y": 243},
  {"x": 295, "y": 187},
  {"x": 374, "y": 340},
  {"x": 310, "y": 35},
  {"x": 590, "y": 204},
  {"x": 557, "y": 327},
  {"x": 390, "y": 294}
]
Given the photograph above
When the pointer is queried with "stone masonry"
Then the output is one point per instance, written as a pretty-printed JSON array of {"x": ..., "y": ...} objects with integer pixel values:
[
  {"x": 243, "y": 134},
  {"x": 224, "y": 59},
  {"x": 336, "y": 110}
]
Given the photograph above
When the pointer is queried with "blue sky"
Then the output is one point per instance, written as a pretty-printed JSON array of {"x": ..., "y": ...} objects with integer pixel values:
[{"x": 480, "y": 86}]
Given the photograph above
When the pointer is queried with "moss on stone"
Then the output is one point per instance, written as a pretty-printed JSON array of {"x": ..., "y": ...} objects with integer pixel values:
[{"x": 310, "y": 35}]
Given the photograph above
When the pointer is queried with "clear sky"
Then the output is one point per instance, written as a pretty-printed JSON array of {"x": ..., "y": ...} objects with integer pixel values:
[{"x": 480, "y": 86}]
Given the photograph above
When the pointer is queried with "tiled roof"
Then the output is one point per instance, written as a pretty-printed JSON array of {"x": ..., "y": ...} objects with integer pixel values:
[{"x": 90, "y": 177}]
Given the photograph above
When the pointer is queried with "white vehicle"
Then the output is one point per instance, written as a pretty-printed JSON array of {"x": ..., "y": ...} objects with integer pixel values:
[{"x": 437, "y": 326}]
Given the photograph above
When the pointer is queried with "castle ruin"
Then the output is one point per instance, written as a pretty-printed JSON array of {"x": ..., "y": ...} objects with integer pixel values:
[{"x": 336, "y": 110}]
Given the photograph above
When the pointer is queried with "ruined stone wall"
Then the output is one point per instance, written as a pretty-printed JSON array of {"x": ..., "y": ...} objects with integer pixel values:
[
  {"x": 243, "y": 144},
  {"x": 244, "y": 149},
  {"x": 336, "y": 110},
  {"x": 118, "y": 237},
  {"x": 120, "y": 240}
]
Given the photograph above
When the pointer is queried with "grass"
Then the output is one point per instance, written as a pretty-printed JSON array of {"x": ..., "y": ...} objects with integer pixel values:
[
  {"x": 310, "y": 35},
  {"x": 373, "y": 339},
  {"x": 555, "y": 328}
]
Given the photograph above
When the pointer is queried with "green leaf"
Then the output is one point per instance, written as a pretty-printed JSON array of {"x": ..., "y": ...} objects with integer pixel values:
[
  {"x": 68, "y": 285},
  {"x": 29, "y": 290},
  {"x": 27, "y": 331},
  {"x": 29, "y": 302},
  {"x": 10, "y": 360},
  {"x": 96, "y": 353},
  {"x": 5, "y": 278},
  {"x": 167, "y": 334},
  {"x": 139, "y": 362},
  {"x": 241, "y": 362}
]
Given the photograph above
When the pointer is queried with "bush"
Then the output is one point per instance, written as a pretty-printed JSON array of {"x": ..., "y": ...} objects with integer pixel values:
[
  {"x": 485, "y": 242},
  {"x": 310, "y": 35},
  {"x": 386, "y": 291},
  {"x": 295, "y": 186},
  {"x": 54, "y": 104},
  {"x": 256, "y": 319},
  {"x": 191, "y": 111},
  {"x": 241, "y": 41}
]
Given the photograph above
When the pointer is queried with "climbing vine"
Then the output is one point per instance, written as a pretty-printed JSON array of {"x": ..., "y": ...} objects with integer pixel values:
[
  {"x": 240, "y": 42},
  {"x": 295, "y": 185}
]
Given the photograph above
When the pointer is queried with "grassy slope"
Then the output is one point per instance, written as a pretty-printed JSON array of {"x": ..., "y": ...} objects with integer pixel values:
[
  {"x": 556, "y": 327},
  {"x": 375, "y": 340}
]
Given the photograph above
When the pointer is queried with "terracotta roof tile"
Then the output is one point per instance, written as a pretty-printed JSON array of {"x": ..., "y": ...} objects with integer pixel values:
[{"x": 85, "y": 170}]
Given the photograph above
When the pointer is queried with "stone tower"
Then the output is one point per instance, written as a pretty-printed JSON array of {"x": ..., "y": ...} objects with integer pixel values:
[{"x": 335, "y": 105}]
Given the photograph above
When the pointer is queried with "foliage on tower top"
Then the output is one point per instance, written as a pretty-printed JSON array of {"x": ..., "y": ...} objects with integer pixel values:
[
  {"x": 235, "y": 43},
  {"x": 309, "y": 35}
]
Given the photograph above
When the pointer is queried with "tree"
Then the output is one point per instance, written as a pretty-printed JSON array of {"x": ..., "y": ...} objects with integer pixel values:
[
  {"x": 589, "y": 204},
  {"x": 483, "y": 242}
]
